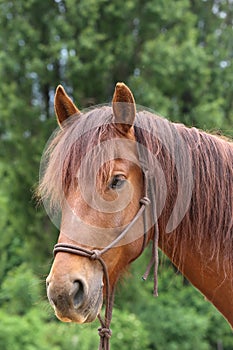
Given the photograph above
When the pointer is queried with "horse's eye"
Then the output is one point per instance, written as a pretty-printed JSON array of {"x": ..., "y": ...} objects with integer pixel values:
[{"x": 117, "y": 182}]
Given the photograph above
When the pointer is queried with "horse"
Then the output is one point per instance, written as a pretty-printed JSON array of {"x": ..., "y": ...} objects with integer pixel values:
[{"x": 123, "y": 177}]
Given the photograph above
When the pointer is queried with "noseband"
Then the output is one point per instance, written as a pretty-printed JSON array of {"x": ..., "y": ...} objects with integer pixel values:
[{"x": 105, "y": 331}]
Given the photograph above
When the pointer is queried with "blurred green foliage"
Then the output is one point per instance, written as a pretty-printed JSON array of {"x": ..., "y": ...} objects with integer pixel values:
[{"x": 176, "y": 57}]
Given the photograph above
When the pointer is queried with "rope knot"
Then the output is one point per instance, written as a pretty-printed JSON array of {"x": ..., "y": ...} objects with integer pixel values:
[
  {"x": 145, "y": 200},
  {"x": 105, "y": 332},
  {"x": 95, "y": 254}
]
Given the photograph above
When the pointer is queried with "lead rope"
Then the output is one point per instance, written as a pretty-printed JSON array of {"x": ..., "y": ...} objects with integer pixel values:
[
  {"x": 144, "y": 160},
  {"x": 155, "y": 255},
  {"x": 154, "y": 261}
]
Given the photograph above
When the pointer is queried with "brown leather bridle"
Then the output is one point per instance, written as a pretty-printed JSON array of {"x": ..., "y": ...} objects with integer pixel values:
[{"x": 105, "y": 331}]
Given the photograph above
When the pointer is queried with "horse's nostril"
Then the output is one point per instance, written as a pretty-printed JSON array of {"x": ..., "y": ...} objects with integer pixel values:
[{"x": 78, "y": 293}]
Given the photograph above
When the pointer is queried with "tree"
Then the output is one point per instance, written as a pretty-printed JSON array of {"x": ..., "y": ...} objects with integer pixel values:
[{"x": 177, "y": 59}]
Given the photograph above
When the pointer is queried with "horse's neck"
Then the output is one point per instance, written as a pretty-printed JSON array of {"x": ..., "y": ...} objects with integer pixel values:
[
  {"x": 211, "y": 280},
  {"x": 205, "y": 264}
]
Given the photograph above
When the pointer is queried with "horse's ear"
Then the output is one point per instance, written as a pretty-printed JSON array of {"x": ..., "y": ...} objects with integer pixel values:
[
  {"x": 124, "y": 108},
  {"x": 63, "y": 105}
]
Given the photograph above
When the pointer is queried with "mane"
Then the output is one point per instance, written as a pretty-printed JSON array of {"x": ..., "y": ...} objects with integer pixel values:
[
  {"x": 209, "y": 214},
  {"x": 67, "y": 148}
]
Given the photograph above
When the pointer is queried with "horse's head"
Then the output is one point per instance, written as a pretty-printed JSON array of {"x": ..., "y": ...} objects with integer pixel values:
[{"x": 102, "y": 184}]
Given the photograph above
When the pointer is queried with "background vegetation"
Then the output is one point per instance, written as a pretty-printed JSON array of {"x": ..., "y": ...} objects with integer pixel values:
[{"x": 177, "y": 58}]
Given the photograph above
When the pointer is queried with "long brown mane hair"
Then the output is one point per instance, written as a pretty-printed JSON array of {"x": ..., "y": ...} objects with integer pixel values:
[{"x": 210, "y": 211}]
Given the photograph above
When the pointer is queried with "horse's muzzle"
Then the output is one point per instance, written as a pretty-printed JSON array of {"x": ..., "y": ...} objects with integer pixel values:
[{"x": 73, "y": 301}]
